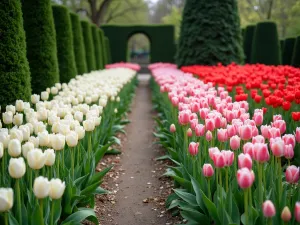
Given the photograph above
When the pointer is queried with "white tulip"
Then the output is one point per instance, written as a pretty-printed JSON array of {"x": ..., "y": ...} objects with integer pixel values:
[
  {"x": 57, "y": 188},
  {"x": 19, "y": 105},
  {"x": 44, "y": 95},
  {"x": 39, "y": 127},
  {"x": 7, "y": 117},
  {"x": 102, "y": 102},
  {"x": 35, "y": 98},
  {"x": 25, "y": 131},
  {"x": 43, "y": 138},
  {"x": 88, "y": 100},
  {"x": 42, "y": 114},
  {"x": 18, "y": 119},
  {"x": 15, "y": 133},
  {"x": 64, "y": 128},
  {"x": 27, "y": 147},
  {"x": 80, "y": 132},
  {"x": 31, "y": 128},
  {"x": 72, "y": 139},
  {"x": 97, "y": 120},
  {"x": 4, "y": 139},
  {"x": 26, "y": 105},
  {"x": 58, "y": 141},
  {"x": 16, "y": 167},
  {"x": 14, "y": 148},
  {"x": 89, "y": 125},
  {"x": 48, "y": 90},
  {"x": 78, "y": 116},
  {"x": 1, "y": 150},
  {"x": 41, "y": 187},
  {"x": 118, "y": 99},
  {"x": 50, "y": 157},
  {"x": 35, "y": 141},
  {"x": 6, "y": 199},
  {"x": 116, "y": 111},
  {"x": 58, "y": 86},
  {"x": 11, "y": 108},
  {"x": 36, "y": 159},
  {"x": 54, "y": 90}
]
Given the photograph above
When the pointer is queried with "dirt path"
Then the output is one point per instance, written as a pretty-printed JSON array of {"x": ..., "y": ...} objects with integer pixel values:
[{"x": 137, "y": 182}]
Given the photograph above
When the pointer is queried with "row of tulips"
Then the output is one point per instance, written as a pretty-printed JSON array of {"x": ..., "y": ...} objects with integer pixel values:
[
  {"x": 229, "y": 167},
  {"x": 50, "y": 147},
  {"x": 276, "y": 88},
  {"x": 128, "y": 65}
]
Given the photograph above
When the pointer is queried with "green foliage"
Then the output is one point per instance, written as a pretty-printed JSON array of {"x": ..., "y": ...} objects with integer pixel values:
[
  {"x": 288, "y": 51},
  {"x": 102, "y": 48},
  {"x": 296, "y": 53},
  {"x": 265, "y": 47},
  {"x": 107, "y": 50},
  {"x": 160, "y": 36},
  {"x": 174, "y": 18},
  {"x": 248, "y": 38},
  {"x": 89, "y": 45},
  {"x": 41, "y": 44},
  {"x": 78, "y": 44},
  {"x": 96, "y": 41},
  {"x": 210, "y": 33},
  {"x": 64, "y": 42},
  {"x": 14, "y": 67}
]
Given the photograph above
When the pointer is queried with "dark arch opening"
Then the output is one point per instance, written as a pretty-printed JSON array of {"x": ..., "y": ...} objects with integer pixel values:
[{"x": 139, "y": 48}]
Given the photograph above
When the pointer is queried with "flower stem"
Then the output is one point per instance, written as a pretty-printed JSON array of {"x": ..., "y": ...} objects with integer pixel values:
[
  {"x": 269, "y": 221},
  {"x": 279, "y": 180},
  {"x": 227, "y": 186},
  {"x": 260, "y": 191},
  {"x": 72, "y": 161},
  {"x": 6, "y": 218},
  {"x": 52, "y": 213},
  {"x": 19, "y": 202},
  {"x": 246, "y": 206},
  {"x": 41, "y": 211},
  {"x": 208, "y": 189}
]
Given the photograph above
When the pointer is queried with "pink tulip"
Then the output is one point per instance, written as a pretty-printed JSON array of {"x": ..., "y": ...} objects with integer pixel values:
[
  {"x": 194, "y": 123},
  {"x": 223, "y": 122},
  {"x": 218, "y": 121},
  {"x": 229, "y": 116},
  {"x": 235, "y": 142},
  {"x": 244, "y": 160},
  {"x": 289, "y": 139},
  {"x": 211, "y": 152},
  {"x": 274, "y": 132},
  {"x": 245, "y": 132},
  {"x": 219, "y": 159},
  {"x": 193, "y": 116},
  {"x": 210, "y": 124},
  {"x": 280, "y": 124},
  {"x": 203, "y": 113},
  {"x": 175, "y": 101},
  {"x": 189, "y": 132},
  {"x": 228, "y": 156},
  {"x": 245, "y": 178},
  {"x": 258, "y": 118},
  {"x": 222, "y": 135},
  {"x": 248, "y": 149},
  {"x": 249, "y": 122},
  {"x": 297, "y": 135},
  {"x": 172, "y": 128},
  {"x": 286, "y": 214},
  {"x": 207, "y": 170},
  {"x": 208, "y": 136},
  {"x": 184, "y": 117},
  {"x": 288, "y": 151},
  {"x": 195, "y": 107},
  {"x": 268, "y": 209},
  {"x": 255, "y": 131},
  {"x": 261, "y": 153},
  {"x": 292, "y": 174},
  {"x": 277, "y": 146},
  {"x": 277, "y": 117},
  {"x": 231, "y": 131},
  {"x": 193, "y": 148},
  {"x": 200, "y": 130},
  {"x": 265, "y": 131},
  {"x": 258, "y": 139},
  {"x": 297, "y": 212}
]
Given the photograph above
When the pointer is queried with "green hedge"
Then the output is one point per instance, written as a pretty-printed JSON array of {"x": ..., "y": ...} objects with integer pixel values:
[
  {"x": 108, "y": 51},
  {"x": 265, "y": 47},
  {"x": 248, "y": 39},
  {"x": 78, "y": 44},
  {"x": 296, "y": 53},
  {"x": 89, "y": 45},
  {"x": 64, "y": 42},
  {"x": 41, "y": 44},
  {"x": 102, "y": 47},
  {"x": 288, "y": 51},
  {"x": 210, "y": 33},
  {"x": 96, "y": 41},
  {"x": 161, "y": 38},
  {"x": 14, "y": 67}
]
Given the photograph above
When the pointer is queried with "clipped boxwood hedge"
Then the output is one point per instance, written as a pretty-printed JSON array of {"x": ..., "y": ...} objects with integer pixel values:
[
  {"x": 89, "y": 45},
  {"x": 96, "y": 41},
  {"x": 108, "y": 53},
  {"x": 248, "y": 39},
  {"x": 288, "y": 51},
  {"x": 64, "y": 42},
  {"x": 296, "y": 53},
  {"x": 265, "y": 46},
  {"x": 102, "y": 47},
  {"x": 78, "y": 44},
  {"x": 14, "y": 67}
]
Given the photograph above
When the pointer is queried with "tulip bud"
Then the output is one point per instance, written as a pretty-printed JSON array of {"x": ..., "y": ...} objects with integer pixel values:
[
  {"x": 35, "y": 98},
  {"x": 36, "y": 159},
  {"x": 268, "y": 209},
  {"x": 297, "y": 212},
  {"x": 7, "y": 117},
  {"x": 208, "y": 136},
  {"x": 207, "y": 170},
  {"x": 28, "y": 146},
  {"x": 18, "y": 119},
  {"x": 89, "y": 125},
  {"x": 286, "y": 214},
  {"x": 189, "y": 132},
  {"x": 19, "y": 105},
  {"x": 245, "y": 177},
  {"x": 58, "y": 141},
  {"x": 116, "y": 111},
  {"x": 14, "y": 148},
  {"x": 41, "y": 187},
  {"x": 172, "y": 128},
  {"x": 6, "y": 199},
  {"x": 44, "y": 95},
  {"x": 72, "y": 139},
  {"x": 292, "y": 174},
  {"x": 57, "y": 188},
  {"x": 11, "y": 108},
  {"x": 244, "y": 160},
  {"x": 16, "y": 167},
  {"x": 235, "y": 142},
  {"x": 50, "y": 157},
  {"x": 193, "y": 148}
]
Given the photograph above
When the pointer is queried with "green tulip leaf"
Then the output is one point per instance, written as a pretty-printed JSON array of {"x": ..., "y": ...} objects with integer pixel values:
[
  {"x": 196, "y": 188},
  {"x": 79, "y": 216},
  {"x": 12, "y": 220},
  {"x": 98, "y": 176},
  {"x": 187, "y": 197},
  {"x": 195, "y": 216},
  {"x": 211, "y": 207}
]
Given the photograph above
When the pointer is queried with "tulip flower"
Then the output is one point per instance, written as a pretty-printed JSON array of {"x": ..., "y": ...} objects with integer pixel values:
[
  {"x": 222, "y": 135},
  {"x": 50, "y": 157},
  {"x": 1, "y": 150},
  {"x": 268, "y": 209},
  {"x": 6, "y": 199},
  {"x": 261, "y": 153},
  {"x": 292, "y": 174},
  {"x": 245, "y": 132},
  {"x": 209, "y": 124},
  {"x": 289, "y": 139},
  {"x": 297, "y": 212},
  {"x": 172, "y": 128},
  {"x": 57, "y": 188},
  {"x": 277, "y": 146},
  {"x": 208, "y": 136},
  {"x": 89, "y": 125},
  {"x": 58, "y": 141},
  {"x": 235, "y": 142},
  {"x": 189, "y": 132},
  {"x": 7, "y": 117},
  {"x": 14, "y": 148},
  {"x": 16, "y": 167},
  {"x": 207, "y": 170},
  {"x": 245, "y": 177},
  {"x": 199, "y": 130},
  {"x": 36, "y": 159},
  {"x": 19, "y": 105},
  {"x": 44, "y": 139},
  {"x": 258, "y": 139},
  {"x": 80, "y": 132},
  {"x": 244, "y": 160},
  {"x": 288, "y": 151},
  {"x": 193, "y": 148},
  {"x": 297, "y": 134},
  {"x": 72, "y": 139},
  {"x": 286, "y": 214}
]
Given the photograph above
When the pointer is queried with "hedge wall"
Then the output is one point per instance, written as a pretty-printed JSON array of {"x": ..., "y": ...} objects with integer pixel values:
[
  {"x": 64, "y": 42},
  {"x": 89, "y": 45},
  {"x": 265, "y": 47},
  {"x": 288, "y": 51},
  {"x": 108, "y": 51},
  {"x": 102, "y": 47},
  {"x": 96, "y": 41},
  {"x": 78, "y": 44},
  {"x": 248, "y": 39},
  {"x": 41, "y": 44},
  {"x": 14, "y": 67},
  {"x": 161, "y": 39},
  {"x": 296, "y": 53},
  {"x": 210, "y": 33}
]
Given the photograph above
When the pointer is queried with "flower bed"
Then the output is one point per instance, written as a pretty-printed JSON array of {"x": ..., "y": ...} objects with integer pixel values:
[
  {"x": 229, "y": 167},
  {"x": 49, "y": 148},
  {"x": 132, "y": 66}
]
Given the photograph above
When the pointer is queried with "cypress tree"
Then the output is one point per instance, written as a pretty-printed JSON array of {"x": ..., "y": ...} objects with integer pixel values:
[
  {"x": 41, "y": 44},
  {"x": 96, "y": 41},
  {"x": 102, "y": 47},
  {"x": 248, "y": 38},
  {"x": 78, "y": 44},
  {"x": 265, "y": 46},
  {"x": 288, "y": 51},
  {"x": 64, "y": 42},
  {"x": 296, "y": 53},
  {"x": 14, "y": 67},
  {"x": 210, "y": 33},
  {"x": 89, "y": 45}
]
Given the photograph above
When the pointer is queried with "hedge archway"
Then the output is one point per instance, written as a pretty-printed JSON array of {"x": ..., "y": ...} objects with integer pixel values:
[{"x": 161, "y": 37}]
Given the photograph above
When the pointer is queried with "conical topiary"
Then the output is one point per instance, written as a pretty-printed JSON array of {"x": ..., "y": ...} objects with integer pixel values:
[
  {"x": 78, "y": 44},
  {"x": 288, "y": 51},
  {"x": 64, "y": 42},
  {"x": 89, "y": 45},
  {"x": 296, "y": 53},
  {"x": 102, "y": 47},
  {"x": 210, "y": 33},
  {"x": 14, "y": 67},
  {"x": 96, "y": 40},
  {"x": 265, "y": 46},
  {"x": 248, "y": 38},
  {"x": 41, "y": 44}
]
